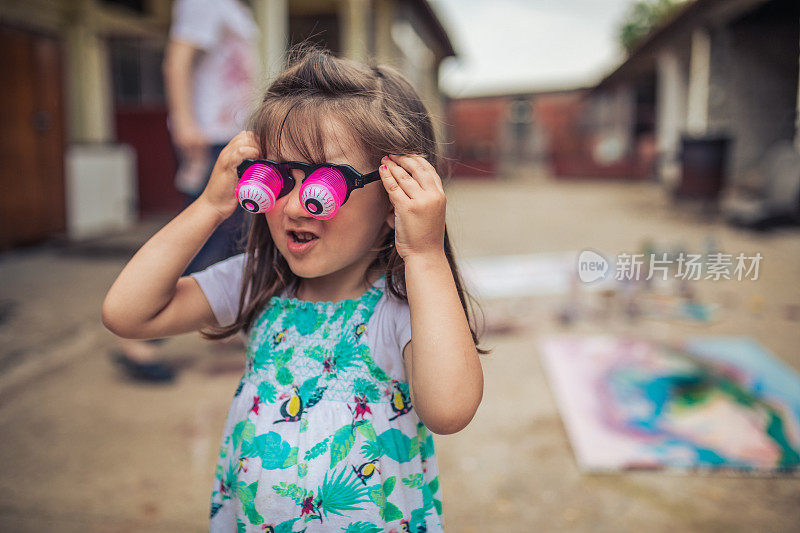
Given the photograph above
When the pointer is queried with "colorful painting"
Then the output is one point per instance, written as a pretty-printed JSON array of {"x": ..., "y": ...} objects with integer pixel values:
[{"x": 709, "y": 403}]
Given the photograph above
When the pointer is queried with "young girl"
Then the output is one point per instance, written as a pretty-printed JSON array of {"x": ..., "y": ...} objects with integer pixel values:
[{"x": 360, "y": 342}]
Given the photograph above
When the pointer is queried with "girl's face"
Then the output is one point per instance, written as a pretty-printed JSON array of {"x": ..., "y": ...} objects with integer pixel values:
[{"x": 344, "y": 244}]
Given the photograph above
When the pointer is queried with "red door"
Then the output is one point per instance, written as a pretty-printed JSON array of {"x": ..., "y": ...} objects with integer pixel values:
[{"x": 32, "y": 197}]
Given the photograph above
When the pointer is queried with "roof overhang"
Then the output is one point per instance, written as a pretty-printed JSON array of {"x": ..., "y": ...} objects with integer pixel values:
[
  {"x": 699, "y": 13},
  {"x": 435, "y": 26}
]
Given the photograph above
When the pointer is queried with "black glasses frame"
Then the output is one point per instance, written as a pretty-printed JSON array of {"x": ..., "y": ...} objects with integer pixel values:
[{"x": 353, "y": 178}]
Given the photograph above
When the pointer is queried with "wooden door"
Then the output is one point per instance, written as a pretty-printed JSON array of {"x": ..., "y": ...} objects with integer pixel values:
[{"x": 32, "y": 198}]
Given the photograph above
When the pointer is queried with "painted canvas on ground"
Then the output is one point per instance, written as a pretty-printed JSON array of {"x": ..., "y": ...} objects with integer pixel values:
[{"x": 706, "y": 403}]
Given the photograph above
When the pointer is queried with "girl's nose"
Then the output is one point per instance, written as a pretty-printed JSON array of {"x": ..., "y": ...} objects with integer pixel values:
[{"x": 293, "y": 207}]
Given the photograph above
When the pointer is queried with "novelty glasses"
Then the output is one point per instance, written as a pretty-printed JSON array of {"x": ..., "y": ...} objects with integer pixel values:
[{"x": 325, "y": 188}]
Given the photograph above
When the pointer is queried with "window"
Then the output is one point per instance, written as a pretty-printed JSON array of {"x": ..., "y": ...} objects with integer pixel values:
[{"x": 136, "y": 72}]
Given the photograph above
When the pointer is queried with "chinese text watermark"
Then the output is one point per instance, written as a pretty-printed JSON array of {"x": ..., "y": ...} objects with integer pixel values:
[{"x": 682, "y": 266}]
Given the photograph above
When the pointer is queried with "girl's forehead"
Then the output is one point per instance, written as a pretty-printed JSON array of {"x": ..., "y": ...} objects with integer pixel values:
[{"x": 326, "y": 140}]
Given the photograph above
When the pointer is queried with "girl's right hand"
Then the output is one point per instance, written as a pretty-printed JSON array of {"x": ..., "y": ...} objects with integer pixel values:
[{"x": 221, "y": 187}]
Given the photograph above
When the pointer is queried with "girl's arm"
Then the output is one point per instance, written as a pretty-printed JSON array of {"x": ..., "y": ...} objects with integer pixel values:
[
  {"x": 442, "y": 364},
  {"x": 149, "y": 299}
]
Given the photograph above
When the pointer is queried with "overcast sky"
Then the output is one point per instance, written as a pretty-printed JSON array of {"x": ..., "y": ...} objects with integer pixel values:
[{"x": 506, "y": 45}]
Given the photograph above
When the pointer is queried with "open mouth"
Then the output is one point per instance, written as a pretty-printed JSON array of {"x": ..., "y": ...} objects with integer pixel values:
[{"x": 302, "y": 236}]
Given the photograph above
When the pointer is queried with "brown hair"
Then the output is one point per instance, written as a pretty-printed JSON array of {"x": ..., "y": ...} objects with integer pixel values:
[{"x": 387, "y": 115}]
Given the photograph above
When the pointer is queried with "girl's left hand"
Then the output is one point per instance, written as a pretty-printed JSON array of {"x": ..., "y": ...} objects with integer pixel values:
[{"x": 416, "y": 192}]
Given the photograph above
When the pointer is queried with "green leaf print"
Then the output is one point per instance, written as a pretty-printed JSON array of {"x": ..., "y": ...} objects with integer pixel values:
[
  {"x": 341, "y": 493},
  {"x": 414, "y": 480},
  {"x": 427, "y": 497},
  {"x": 367, "y": 429},
  {"x": 421, "y": 431},
  {"x": 317, "y": 450},
  {"x": 267, "y": 357},
  {"x": 303, "y": 425},
  {"x": 362, "y": 387},
  {"x": 302, "y": 469},
  {"x": 344, "y": 353},
  {"x": 371, "y": 449},
  {"x": 379, "y": 495},
  {"x": 291, "y": 459},
  {"x": 388, "y": 485},
  {"x": 306, "y": 320},
  {"x": 267, "y": 392},
  {"x": 284, "y": 356},
  {"x": 343, "y": 312},
  {"x": 241, "y": 527},
  {"x": 361, "y": 527},
  {"x": 341, "y": 443},
  {"x": 307, "y": 388},
  {"x": 247, "y": 495},
  {"x": 426, "y": 447},
  {"x": 284, "y": 376},
  {"x": 285, "y": 526},
  {"x": 374, "y": 370},
  {"x": 316, "y": 352},
  {"x": 397, "y": 445},
  {"x": 243, "y": 431},
  {"x": 290, "y": 490},
  {"x": 272, "y": 449},
  {"x": 434, "y": 485},
  {"x": 229, "y": 479},
  {"x": 417, "y": 520},
  {"x": 391, "y": 512}
]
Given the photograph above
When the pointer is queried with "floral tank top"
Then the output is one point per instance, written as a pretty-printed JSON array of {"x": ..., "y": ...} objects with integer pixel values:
[{"x": 318, "y": 437}]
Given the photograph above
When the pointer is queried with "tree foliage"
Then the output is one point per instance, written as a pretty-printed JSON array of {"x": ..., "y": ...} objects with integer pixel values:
[{"x": 643, "y": 17}]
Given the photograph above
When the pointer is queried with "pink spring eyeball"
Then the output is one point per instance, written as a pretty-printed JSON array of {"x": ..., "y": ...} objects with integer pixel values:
[
  {"x": 258, "y": 189},
  {"x": 323, "y": 193}
]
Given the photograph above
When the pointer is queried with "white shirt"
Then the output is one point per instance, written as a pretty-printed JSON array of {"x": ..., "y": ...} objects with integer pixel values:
[
  {"x": 224, "y": 80},
  {"x": 388, "y": 329}
]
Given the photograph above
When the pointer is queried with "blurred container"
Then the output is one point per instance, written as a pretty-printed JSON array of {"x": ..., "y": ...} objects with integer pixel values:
[
  {"x": 101, "y": 189},
  {"x": 703, "y": 166}
]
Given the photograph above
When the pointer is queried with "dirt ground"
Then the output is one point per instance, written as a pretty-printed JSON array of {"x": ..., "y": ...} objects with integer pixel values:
[{"x": 85, "y": 450}]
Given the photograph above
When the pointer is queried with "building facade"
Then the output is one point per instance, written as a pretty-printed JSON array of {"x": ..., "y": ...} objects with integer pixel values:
[{"x": 85, "y": 148}]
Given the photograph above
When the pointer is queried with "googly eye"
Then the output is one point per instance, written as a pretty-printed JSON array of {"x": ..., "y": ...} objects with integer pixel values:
[
  {"x": 258, "y": 189},
  {"x": 255, "y": 198},
  {"x": 323, "y": 192},
  {"x": 319, "y": 201}
]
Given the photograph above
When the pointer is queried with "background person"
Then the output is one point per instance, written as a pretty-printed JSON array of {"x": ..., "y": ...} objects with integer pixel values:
[{"x": 210, "y": 68}]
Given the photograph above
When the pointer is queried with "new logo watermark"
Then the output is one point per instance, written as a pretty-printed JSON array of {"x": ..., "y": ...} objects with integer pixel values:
[{"x": 594, "y": 266}]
